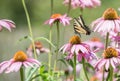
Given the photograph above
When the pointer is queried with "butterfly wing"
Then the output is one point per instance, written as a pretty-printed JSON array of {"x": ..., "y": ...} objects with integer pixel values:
[
  {"x": 88, "y": 31},
  {"x": 80, "y": 27}
]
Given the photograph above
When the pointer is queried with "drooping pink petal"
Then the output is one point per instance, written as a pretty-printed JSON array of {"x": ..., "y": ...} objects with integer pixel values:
[
  {"x": 12, "y": 67},
  {"x": 4, "y": 24},
  {"x": 107, "y": 65},
  {"x": 27, "y": 64},
  {"x": 33, "y": 61},
  {"x": 18, "y": 66},
  {"x": 112, "y": 63}
]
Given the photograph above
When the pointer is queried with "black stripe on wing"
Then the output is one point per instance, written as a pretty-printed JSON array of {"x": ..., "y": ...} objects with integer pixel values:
[{"x": 80, "y": 27}]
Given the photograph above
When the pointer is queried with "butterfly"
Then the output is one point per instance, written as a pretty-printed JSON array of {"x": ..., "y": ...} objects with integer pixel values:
[{"x": 80, "y": 27}]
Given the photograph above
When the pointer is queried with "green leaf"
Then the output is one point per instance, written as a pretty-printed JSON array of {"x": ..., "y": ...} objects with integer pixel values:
[
  {"x": 42, "y": 69},
  {"x": 31, "y": 74},
  {"x": 89, "y": 65},
  {"x": 71, "y": 63},
  {"x": 34, "y": 77},
  {"x": 63, "y": 61},
  {"x": 43, "y": 38}
]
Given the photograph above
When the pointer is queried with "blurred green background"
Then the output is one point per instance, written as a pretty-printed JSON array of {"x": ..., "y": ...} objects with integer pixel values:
[{"x": 39, "y": 11}]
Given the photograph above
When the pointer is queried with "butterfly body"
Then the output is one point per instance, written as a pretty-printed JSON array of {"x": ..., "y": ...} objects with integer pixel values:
[{"x": 80, "y": 27}]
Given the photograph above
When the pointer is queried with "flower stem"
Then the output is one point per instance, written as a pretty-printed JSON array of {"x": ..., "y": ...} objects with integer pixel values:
[
  {"x": 49, "y": 56},
  {"x": 29, "y": 26},
  {"x": 103, "y": 73},
  {"x": 74, "y": 67},
  {"x": 81, "y": 11},
  {"x": 69, "y": 7},
  {"x": 57, "y": 47},
  {"x": 107, "y": 38},
  {"x": 106, "y": 45},
  {"x": 111, "y": 73},
  {"x": 51, "y": 7},
  {"x": 83, "y": 61},
  {"x": 22, "y": 74}
]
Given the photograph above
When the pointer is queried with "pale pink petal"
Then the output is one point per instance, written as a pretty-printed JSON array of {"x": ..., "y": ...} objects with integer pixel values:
[
  {"x": 11, "y": 23},
  {"x": 18, "y": 66},
  {"x": 65, "y": 48},
  {"x": 117, "y": 25},
  {"x": 46, "y": 50},
  {"x": 73, "y": 49},
  {"x": 82, "y": 48},
  {"x": 12, "y": 67},
  {"x": 33, "y": 61},
  {"x": 4, "y": 65},
  {"x": 4, "y": 24},
  {"x": 115, "y": 60},
  {"x": 27, "y": 64},
  {"x": 97, "y": 27},
  {"x": 96, "y": 2},
  {"x": 100, "y": 63},
  {"x": 112, "y": 63},
  {"x": 77, "y": 50},
  {"x": 107, "y": 65},
  {"x": 51, "y": 21}
]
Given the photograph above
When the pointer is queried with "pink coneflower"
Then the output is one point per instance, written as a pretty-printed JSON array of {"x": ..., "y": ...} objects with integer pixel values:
[
  {"x": 75, "y": 46},
  {"x": 20, "y": 59},
  {"x": 74, "y": 3},
  {"x": 89, "y": 3},
  {"x": 95, "y": 44},
  {"x": 115, "y": 40},
  {"x": 59, "y": 18},
  {"x": 83, "y": 3},
  {"x": 110, "y": 58},
  {"x": 38, "y": 47},
  {"x": 109, "y": 22},
  {"x": 8, "y": 24}
]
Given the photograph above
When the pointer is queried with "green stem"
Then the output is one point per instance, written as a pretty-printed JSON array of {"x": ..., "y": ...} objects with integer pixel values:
[
  {"x": 107, "y": 40},
  {"x": 29, "y": 26},
  {"x": 50, "y": 39},
  {"x": 83, "y": 61},
  {"x": 22, "y": 74},
  {"x": 74, "y": 67},
  {"x": 106, "y": 45},
  {"x": 57, "y": 47},
  {"x": 58, "y": 37},
  {"x": 69, "y": 7},
  {"x": 111, "y": 73},
  {"x": 81, "y": 11},
  {"x": 103, "y": 73},
  {"x": 52, "y": 7},
  {"x": 49, "y": 58}
]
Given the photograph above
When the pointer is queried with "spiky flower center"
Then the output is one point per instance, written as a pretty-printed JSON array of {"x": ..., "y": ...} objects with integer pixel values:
[
  {"x": 54, "y": 16},
  {"x": 38, "y": 45},
  {"x": 95, "y": 39},
  {"x": 110, "y": 52},
  {"x": 110, "y": 14},
  {"x": 75, "y": 40},
  {"x": 20, "y": 56}
]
